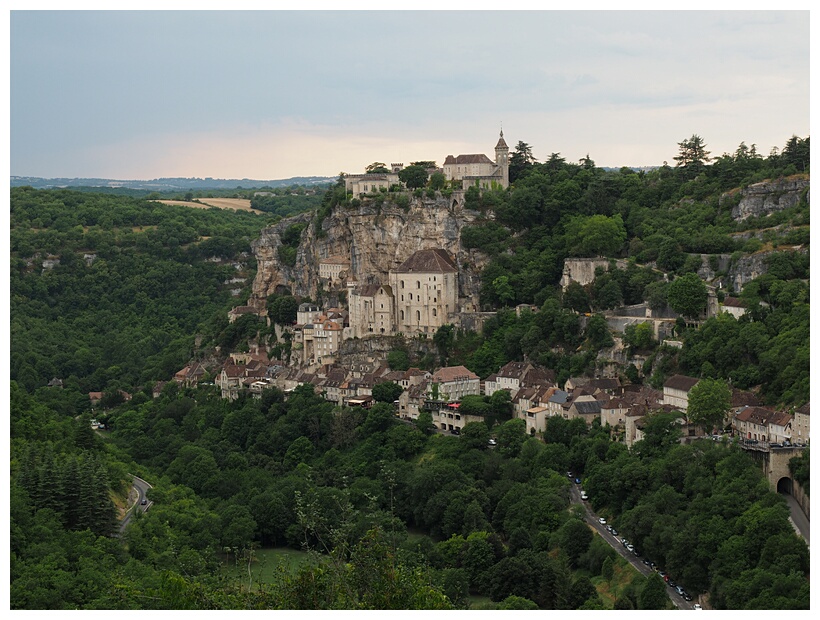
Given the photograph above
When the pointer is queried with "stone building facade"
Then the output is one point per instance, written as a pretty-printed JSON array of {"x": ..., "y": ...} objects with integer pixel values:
[
  {"x": 425, "y": 292},
  {"x": 477, "y": 168}
]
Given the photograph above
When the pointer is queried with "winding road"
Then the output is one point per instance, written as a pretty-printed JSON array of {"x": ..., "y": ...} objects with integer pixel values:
[{"x": 137, "y": 493}]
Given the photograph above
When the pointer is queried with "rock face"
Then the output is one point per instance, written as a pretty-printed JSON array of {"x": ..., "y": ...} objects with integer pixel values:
[
  {"x": 375, "y": 238},
  {"x": 769, "y": 196},
  {"x": 747, "y": 268}
]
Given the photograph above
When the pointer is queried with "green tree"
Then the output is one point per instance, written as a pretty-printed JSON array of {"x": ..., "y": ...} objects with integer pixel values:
[
  {"x": 387, "y": 391},
  {"x": 437, "y": 180},
  {"x": 653, "y": 594},
  {"x": 413, "y": 176},
  {"x": 692, "y": 154},
  {"x": 376, "y": 167},
  {"x": 709, "y": 403},
  {"x": 687, "y": 295}
]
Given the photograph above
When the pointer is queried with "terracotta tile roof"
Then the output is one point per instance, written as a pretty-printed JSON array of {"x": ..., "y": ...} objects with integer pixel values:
[
  {"x": 733, "y": 302},
  {"x": 755, "y": 415},
  {"x": 680, "y": 382},
  {"x": 428, "y": 261},
  {"x": 453, "y": 373}
]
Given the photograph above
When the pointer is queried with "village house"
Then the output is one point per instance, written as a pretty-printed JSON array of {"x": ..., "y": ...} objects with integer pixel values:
[
  {"x": 676, "y": 391},
  {"x": 190, "y": 375},
  {"x": 454, "y": 383},
  {"x": 734, "y": 306},
  {"x": 613, "y": 412},
  {"x": 762, "y": 425},
  {"x": 800, "y": 427}
]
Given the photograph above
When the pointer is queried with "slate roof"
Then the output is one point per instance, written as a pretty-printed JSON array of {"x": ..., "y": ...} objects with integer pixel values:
[
  {"x": 434, "y": 260},
  {"x": 804, "y": 409},
  {"x": 472, "y": 158},
  {"x": 587, "y": 407}
]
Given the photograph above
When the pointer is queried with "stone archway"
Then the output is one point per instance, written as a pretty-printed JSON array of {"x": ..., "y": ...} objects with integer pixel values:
[{"x": 784, "y": 485}]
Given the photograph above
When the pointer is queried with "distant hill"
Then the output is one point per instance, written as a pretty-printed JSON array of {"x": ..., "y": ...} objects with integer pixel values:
[{"x": 166, "y": 184}]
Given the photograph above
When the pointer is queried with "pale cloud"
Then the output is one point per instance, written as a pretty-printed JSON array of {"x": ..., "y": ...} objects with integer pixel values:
[{"x": 276, "y": 94}]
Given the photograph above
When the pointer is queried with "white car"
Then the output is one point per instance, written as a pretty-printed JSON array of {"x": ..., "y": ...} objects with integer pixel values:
[
  {"x": 584, "y": 495},
  {"x": 601, "y": 520},
  {"x": 696, "y": 606}
]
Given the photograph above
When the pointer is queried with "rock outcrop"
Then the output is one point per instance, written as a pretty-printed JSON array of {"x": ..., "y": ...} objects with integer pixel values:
[
  {"x": 375, "y": 238},
  {"x": 769, "y": 196}
]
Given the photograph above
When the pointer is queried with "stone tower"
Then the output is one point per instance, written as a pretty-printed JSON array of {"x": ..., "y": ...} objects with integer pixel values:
[{"x": 502, "y": 159}]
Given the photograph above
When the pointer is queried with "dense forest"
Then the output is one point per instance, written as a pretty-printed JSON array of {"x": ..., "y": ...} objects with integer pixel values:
[{"x": 113, "y": 293}]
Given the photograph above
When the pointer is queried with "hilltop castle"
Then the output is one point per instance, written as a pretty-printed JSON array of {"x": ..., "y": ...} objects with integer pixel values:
[{"x": 471, "y": 169}]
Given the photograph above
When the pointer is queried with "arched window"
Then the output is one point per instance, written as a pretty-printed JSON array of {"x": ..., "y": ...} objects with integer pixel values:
[
  {"x": 434, "y": 312},
  {"x": 402, "y": 283},
  {"x": 402, "y": 315},
  {"x": 418, "y": 315},
  {"x": 418, "y": 284},
  {"x": 411, "y": 296}
]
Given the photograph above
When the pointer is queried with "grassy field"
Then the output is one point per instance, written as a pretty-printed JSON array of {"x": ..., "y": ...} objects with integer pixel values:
[
  {"x": 239, "y": 204},
  {"x": 266, "y": 564}
]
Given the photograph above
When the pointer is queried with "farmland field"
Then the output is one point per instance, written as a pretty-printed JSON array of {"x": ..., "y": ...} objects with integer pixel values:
[{"x": 238, "y": 204}]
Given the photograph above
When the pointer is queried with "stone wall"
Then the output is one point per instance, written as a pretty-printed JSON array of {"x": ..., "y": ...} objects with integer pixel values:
[{"x": 582, "y": 270}]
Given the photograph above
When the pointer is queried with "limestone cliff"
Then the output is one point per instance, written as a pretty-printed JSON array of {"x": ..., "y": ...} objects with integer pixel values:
[
  {"x": 375, "y": 238},
  {"x": 769, "y": 196}
]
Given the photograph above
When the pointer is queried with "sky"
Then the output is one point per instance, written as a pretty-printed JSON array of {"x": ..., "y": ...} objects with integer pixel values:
[{"x": 278, "y": 94}]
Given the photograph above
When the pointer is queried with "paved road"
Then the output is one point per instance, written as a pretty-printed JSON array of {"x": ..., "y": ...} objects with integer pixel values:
[
  {"x": 615, "y": 543},
  {"x": 137, "y": 495},
  {"x": 798, "y": 518}
]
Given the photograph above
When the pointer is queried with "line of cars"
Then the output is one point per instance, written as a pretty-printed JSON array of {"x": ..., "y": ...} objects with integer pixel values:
[{"x": 631, "y": 548}]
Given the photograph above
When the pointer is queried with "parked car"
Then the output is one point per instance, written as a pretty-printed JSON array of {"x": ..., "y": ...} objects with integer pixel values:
[
  {"x": 569, "y": 474},
  {"x": 455, "y": 431},
  {"x": 144, "y": 502},
  {"x": 614, "y": 532},
  {"x": 671, "y": 584},
  {"x": 577, "y": 481},
  {"x": 584, "y": 495},
  {"x": 696, "y": 606},
  {"x": 492, "y": 441},
  {"x": 601, "y": 520},
  {"x": 609, "y": 528},
  {"x": 686, "y": 596}
]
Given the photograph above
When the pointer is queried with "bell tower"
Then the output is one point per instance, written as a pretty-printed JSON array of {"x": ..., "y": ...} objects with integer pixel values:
[{"x": 502, "y": 159}]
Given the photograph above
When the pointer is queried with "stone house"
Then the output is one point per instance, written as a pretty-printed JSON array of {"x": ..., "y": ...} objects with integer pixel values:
[
  {"x": 761, "y": 424},
  {"x": 454, "y": 383},
  {"x": 371, "y": 310},
  {"x": 307, "y": 313},
  {"x": 734, "y": 306},
  {"x": 358, "y": 184},
  {"x": 614, "y": 411},
  {"x": 508, "y": 378},
  {"x": 190, "y": 375},
  {"x": 331, "y": 269},
  {"x": 676, "y": 391},
  {"x": 586, "y": 407},
  {"x": 800, "y": 426}
]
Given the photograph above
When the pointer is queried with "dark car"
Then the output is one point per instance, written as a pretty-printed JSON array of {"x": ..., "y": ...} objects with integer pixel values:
[
  {"x": 686, "y": 596},
  {"x": 455, "y": 431},
  {"x": 672, "y": 584},
  {"x": 144, "y": 502},
  {"x": 577, "y": 481}
]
